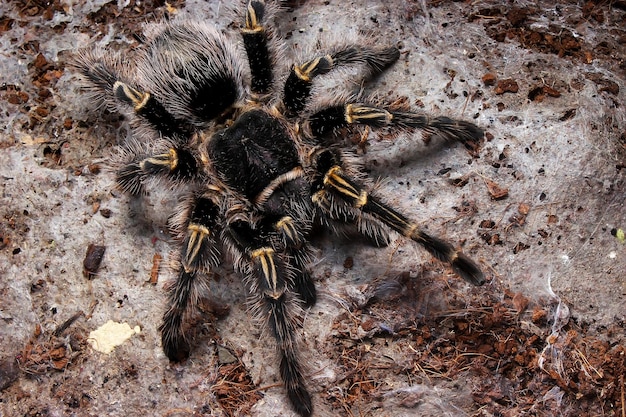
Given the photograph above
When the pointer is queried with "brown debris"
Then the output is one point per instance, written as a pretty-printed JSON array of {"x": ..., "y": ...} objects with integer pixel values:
[
  {"x": 92, "y": 260},
  {"x": 234, "y": 389},
  {"x": 520, "y": 246},
  {"x": 495, "y": 191},
  {"x": 154, "y": 272},
  {"x": 15, "y": 96},
  {"x": 52, "y": 351},
  {"x": 538, "y": 94},
  {"x": 604, "y": 83},
  {"x": 523, "y": 209},
  {"x": 489, "y": 79},
  {"x": 568, "y": 115},
  {"x": 506, "y": 86},
  {"x": 520, "y": 302},
  {"x": 509, "y": 365},
  {"x": 519, "y": 219}
]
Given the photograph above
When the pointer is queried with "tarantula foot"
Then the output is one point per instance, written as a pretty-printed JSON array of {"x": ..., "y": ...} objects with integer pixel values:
[
  {"x": 175, "y": 345},
  {"x": 470, "y": 135},
  {"x": 301, "y": 401},
  {"x": 468, "y": 270},
  {"x": 176, "y": 349}
]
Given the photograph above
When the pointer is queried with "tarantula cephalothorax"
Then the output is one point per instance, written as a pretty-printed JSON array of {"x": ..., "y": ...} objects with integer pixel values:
[{"x": 259, "y": 165}]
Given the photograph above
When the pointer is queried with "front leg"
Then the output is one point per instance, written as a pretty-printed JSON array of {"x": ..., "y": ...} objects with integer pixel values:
[{"x": 178, "y": 164}]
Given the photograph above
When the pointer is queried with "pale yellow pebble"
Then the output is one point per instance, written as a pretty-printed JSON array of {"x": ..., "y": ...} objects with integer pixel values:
[{"x": 110, "y": 335}]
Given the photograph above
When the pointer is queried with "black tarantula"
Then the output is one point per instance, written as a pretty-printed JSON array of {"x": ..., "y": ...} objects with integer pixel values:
[{"x": 261, "y": 164}]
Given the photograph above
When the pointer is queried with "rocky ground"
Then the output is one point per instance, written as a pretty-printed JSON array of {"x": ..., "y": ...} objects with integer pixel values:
[{"x": 539, "y": 205}]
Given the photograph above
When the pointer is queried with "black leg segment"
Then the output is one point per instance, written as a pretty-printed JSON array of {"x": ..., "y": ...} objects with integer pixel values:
[
  {"x": 298, "y": 86},
  {"x": 199, "y": 254},
  {"x": 326, "y": 121},
  {"x": 177, "y": 164},
  {"x": 339, "y": 185},
  {"x": 148, "y": 108},
  {"x": 255, "y": 41}
]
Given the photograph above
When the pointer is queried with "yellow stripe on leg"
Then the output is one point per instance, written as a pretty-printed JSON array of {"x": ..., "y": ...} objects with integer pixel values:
[
  {"x": 197, "y": 234},
  {"x": 266, "y": 257}
]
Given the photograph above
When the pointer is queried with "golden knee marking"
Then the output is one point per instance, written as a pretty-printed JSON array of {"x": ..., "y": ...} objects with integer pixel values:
[
  {"x": 285, "y": 224},
  {"x": 348, "y": 114},
  {"x": 253, "y": 30},
  {"x": 361, "y": 200},
  {"x": 355, "y": 113},
  {"x": 320, "y": 198},
  {"x": 334, "y": 179},
  {"x": 173, "y": 158},
  {"x": 197, "y": 234},
  {"x": 275, "y": 294},
  {"x": 307, "y": 71},
  {"x": 261, "y": 252},
  {"x": 410, "y": 231},
  {"x": 252, "y": 22},
  {"x": 301, "y": 73},
  {"x": 169, "y": 160},
  {"x": 335, "y": 170},
  {"x": 136, "y": 97},
  {"x": 198, "y": 228},
  {"x": 266, "y": 257}
]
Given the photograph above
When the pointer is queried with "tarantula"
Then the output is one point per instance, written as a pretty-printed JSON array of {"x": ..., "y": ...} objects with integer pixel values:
[{"x": 260, "y": 164}]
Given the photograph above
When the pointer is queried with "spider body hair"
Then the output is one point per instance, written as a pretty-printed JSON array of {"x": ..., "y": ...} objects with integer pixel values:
[{"x": 258, "y": 161}]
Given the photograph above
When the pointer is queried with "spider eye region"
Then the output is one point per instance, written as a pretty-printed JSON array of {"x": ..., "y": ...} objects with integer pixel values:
[{"x": 253, "y": 152}]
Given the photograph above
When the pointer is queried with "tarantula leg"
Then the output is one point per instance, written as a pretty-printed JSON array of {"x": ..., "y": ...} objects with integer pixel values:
[
  {"x": 269, "y": 283},
  {"x": 302, "y": 281},
  {"x": 298, "y": 86},
  {"x": 149, "y": 108},
  {"x": 292, "y": 235},
  {"x": 350, "y": 221},
  {"x": 328, "y": 120},
  {"x": 336, "y": 183},
  {"x": 175, "y": 345},
  {"x": 104, "y": 75},
  {"x": 255, "y": 41},
  {"x": 177, "y": 164},
  {"x": 287, "y": 210},
  {"x": 199, "y": 255},
  {"x": 275, "y": 300}
]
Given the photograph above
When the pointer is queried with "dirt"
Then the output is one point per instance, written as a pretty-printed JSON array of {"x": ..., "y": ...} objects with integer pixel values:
[{"x": 540, "y": 206}]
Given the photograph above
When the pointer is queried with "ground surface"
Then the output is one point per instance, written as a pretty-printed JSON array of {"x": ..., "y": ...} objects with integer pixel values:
[{"x": 540, "y": 205}]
